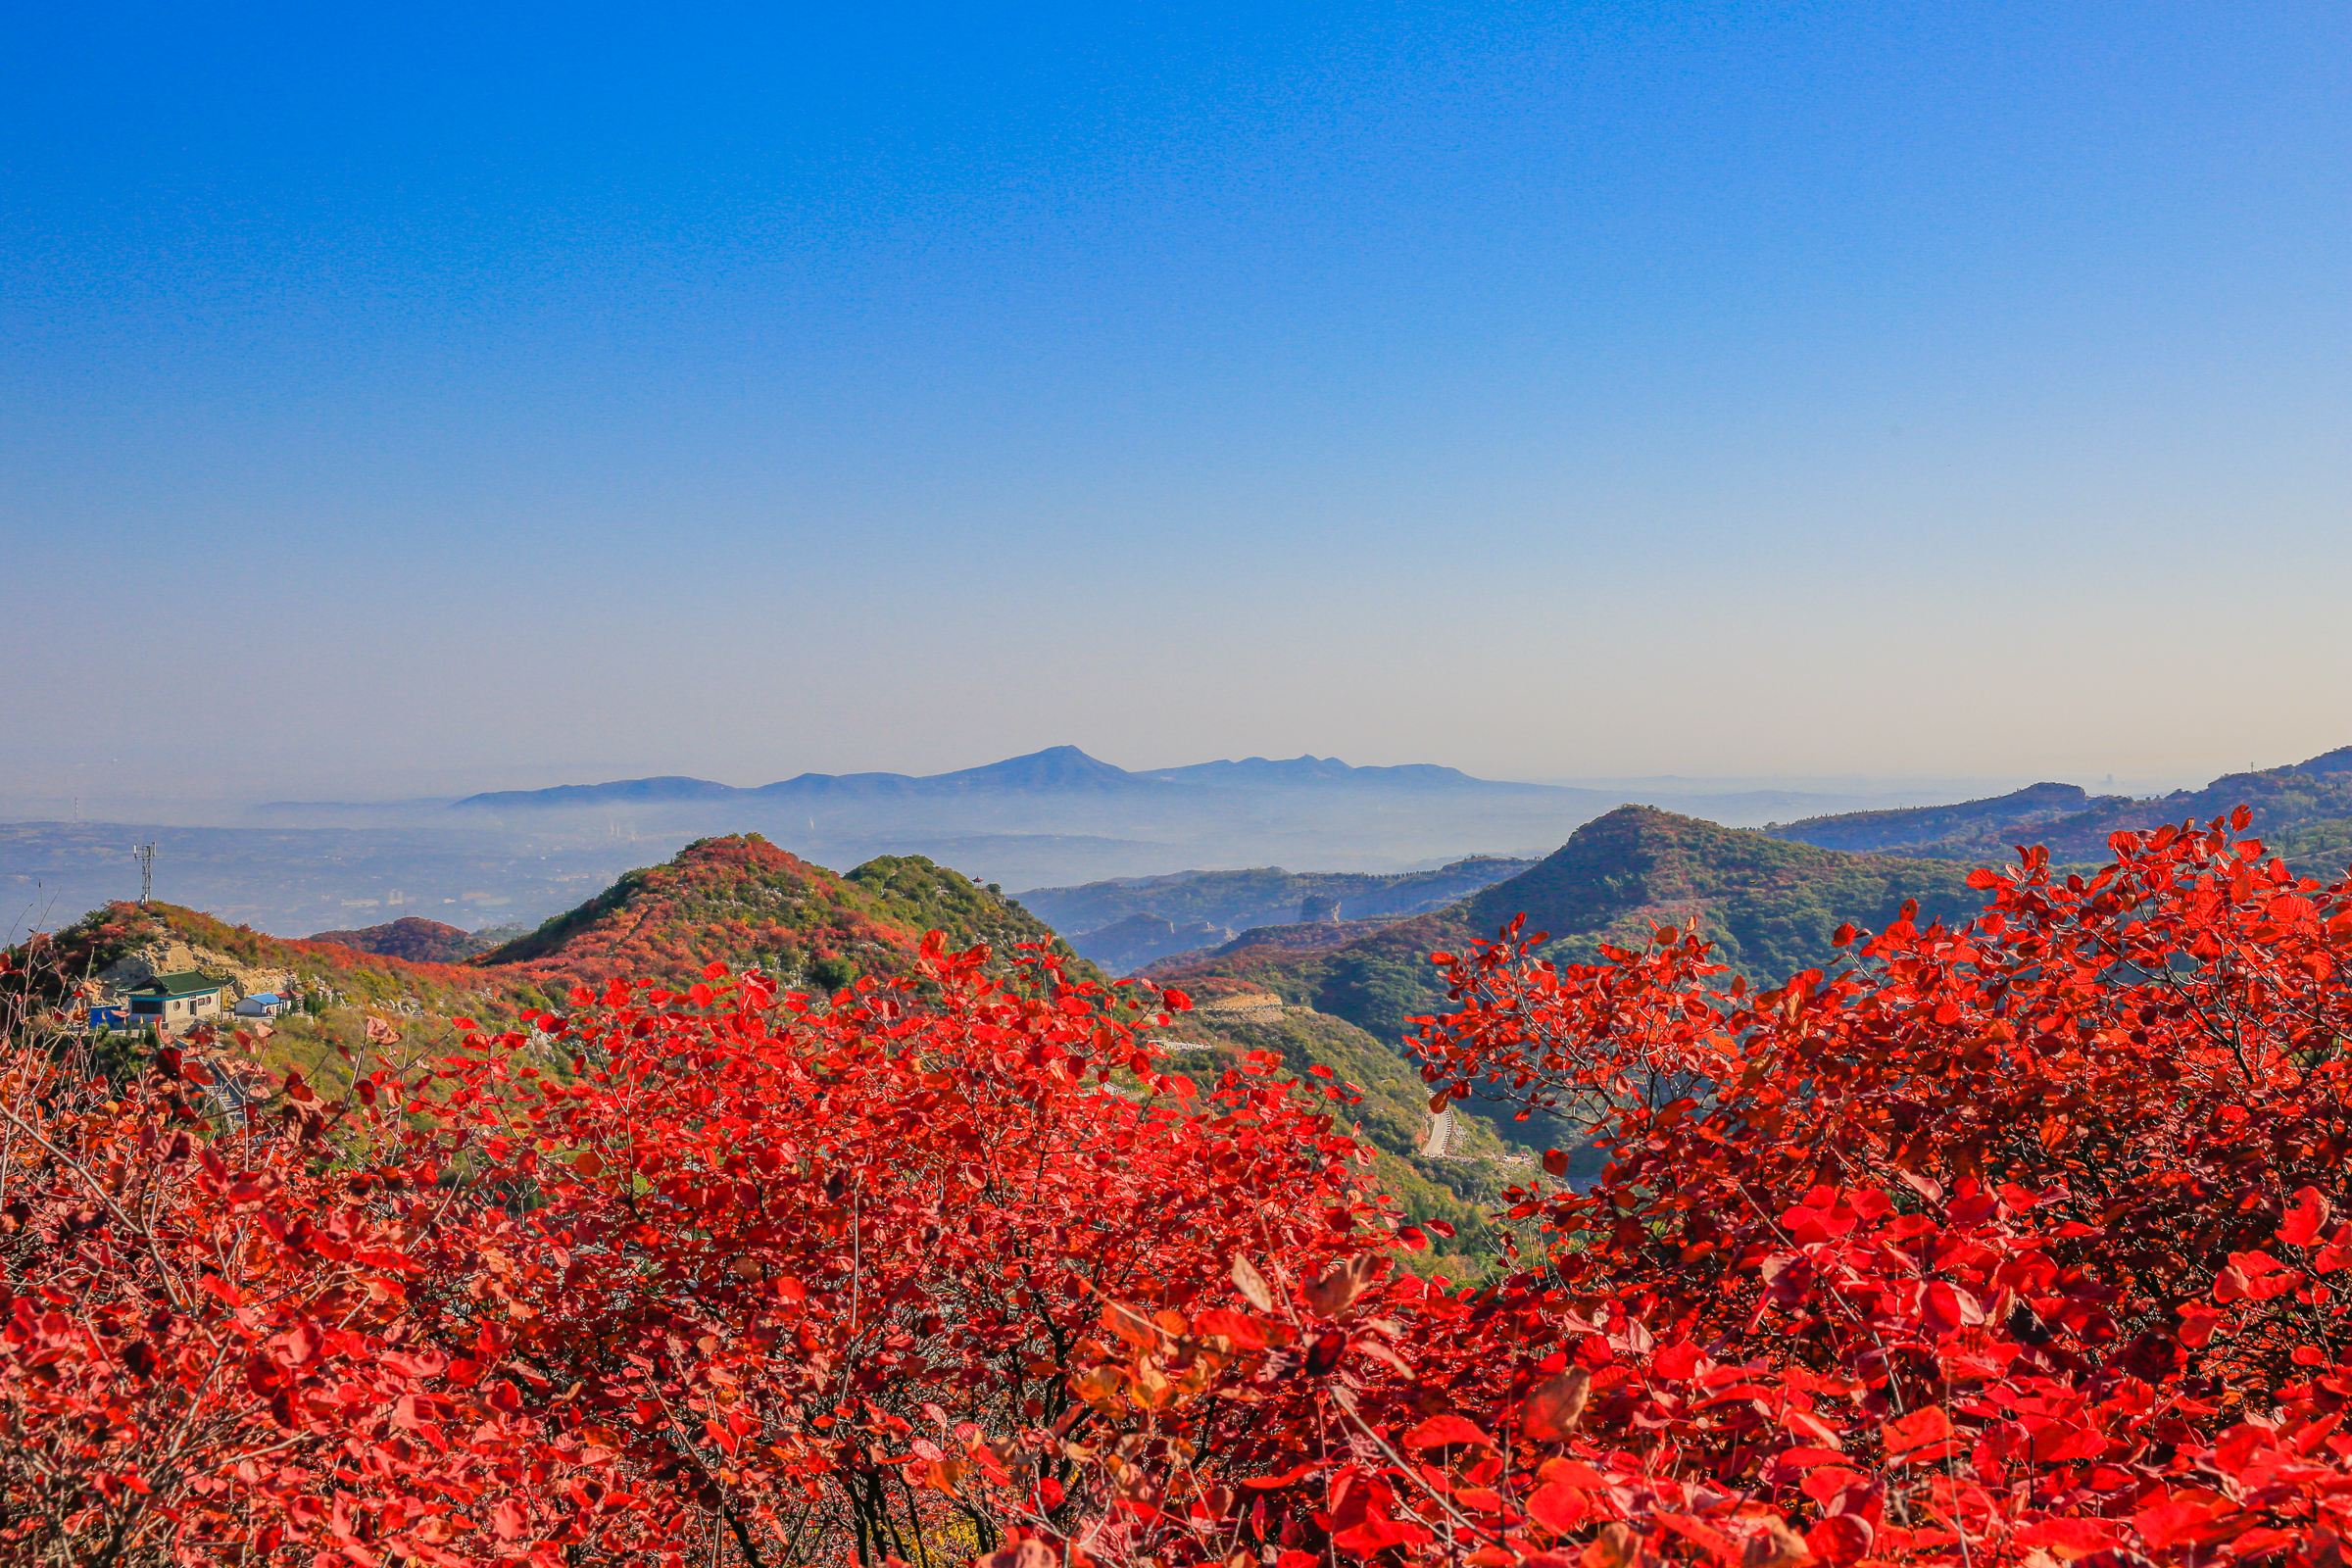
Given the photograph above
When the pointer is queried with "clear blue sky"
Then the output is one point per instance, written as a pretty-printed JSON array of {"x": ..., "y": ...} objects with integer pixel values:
[{"x": 405, "y": 397}]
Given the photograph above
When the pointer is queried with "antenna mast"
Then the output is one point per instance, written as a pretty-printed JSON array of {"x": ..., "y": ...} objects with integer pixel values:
[{"x": 145, "y": 854}]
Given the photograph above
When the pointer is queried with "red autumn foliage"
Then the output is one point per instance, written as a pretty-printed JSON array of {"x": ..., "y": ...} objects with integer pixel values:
[
  {"x": 746, "y": 1272},
  {"x": 2021, "y": 1243},
  {"x": 741, "y": 893}
]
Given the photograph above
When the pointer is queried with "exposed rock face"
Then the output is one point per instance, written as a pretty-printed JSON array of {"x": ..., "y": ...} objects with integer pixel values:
[
  {"x": 1318, "y": 909},
  {"x": 170, "y": 956},
  {"x": 1252, "y": 1006}
]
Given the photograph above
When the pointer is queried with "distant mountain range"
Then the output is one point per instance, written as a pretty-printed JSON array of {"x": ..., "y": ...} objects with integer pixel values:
[
  {"x": 1088, "y": 833},
  {"x": 2303, "y": 811},
  {"x": 1126, "y": 923},
  {"x": 1056, "y": 770},
  {"x": 1058, "y": 817}
]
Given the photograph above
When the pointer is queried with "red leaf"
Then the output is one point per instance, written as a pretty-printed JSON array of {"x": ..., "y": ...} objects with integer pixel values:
[
  {"x": 1442, "y": 1431},
  {"x": 1908, "y": 1434},
  {"x": 1251, "y": 1284},
  {"x": 2306, "y": 1213},
  {"x": 1556, "y": 1406},
  {"x": 1558, "y": 1509}
]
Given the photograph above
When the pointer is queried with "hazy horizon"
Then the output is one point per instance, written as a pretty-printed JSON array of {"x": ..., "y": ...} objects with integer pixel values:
[
  {"x": 426, "y": 402},
  {"x": 162, "y": 806}
]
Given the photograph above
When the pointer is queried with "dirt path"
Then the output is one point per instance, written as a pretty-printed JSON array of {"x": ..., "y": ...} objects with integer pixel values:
[{"x": 1438, "y": 1140}]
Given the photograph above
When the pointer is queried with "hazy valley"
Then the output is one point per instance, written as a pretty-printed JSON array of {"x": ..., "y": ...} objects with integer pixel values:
[
  {"x": 1054, "y": 818},
  {"x": 1322, "y": 968}
]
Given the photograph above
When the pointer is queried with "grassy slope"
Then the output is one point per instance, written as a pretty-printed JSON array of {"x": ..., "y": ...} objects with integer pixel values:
[{"x": 920, "y": 894}]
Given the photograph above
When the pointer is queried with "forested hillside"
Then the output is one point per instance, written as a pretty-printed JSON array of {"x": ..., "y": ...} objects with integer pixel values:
[
  {"x": 418, "y": 940},
  {"x": 754, "y": 904},
  {"x": 2303, "y": 810},
  {"x": 1133, "y": 920},
  {"x": 1770, "y": 909}
]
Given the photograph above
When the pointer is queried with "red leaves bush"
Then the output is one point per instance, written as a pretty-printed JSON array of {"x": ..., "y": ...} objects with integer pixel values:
[
  {"x": 2022, "y": 1243},
  {"x": 2015, "y": 1244},
  {"x": 216, "y": 1349},
  {"x": 731, "y": 1271}
]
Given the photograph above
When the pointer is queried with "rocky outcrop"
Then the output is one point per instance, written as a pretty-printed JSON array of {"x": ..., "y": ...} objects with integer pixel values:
[
  {"x": 1248, "y": 1005},
  {"x": 162, "y": 955},
  {"x": 1127, "y": 944}
]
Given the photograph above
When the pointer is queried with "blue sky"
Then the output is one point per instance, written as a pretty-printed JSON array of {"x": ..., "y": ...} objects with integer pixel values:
[{"x": 433, "y": 399}]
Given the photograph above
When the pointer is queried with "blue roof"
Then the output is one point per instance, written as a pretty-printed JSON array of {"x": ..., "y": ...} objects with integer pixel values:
[{"x": 264, "y": 996}]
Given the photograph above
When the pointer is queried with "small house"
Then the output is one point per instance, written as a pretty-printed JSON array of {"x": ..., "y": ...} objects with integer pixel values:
[
  {"x": 105, "y": 1017},
  {"x": 261, "y": 1004},
  {"x": 175, "y": 1001}
]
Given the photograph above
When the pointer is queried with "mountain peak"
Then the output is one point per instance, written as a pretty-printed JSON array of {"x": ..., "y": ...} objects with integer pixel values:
[
  {"x": 1054, "y": 758},
  {"x": 662, "y": 788},
  {"x": 1641, "y": 858},
  {"x": 752, "y": 903},
  {"x": 649, "y": 920},
  {"x": 1309, "y": 770},
  {"x": 1911, "y": 829},
  {"x": 410, "y": 937},
  {"x": 1058, "y": 768}
]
